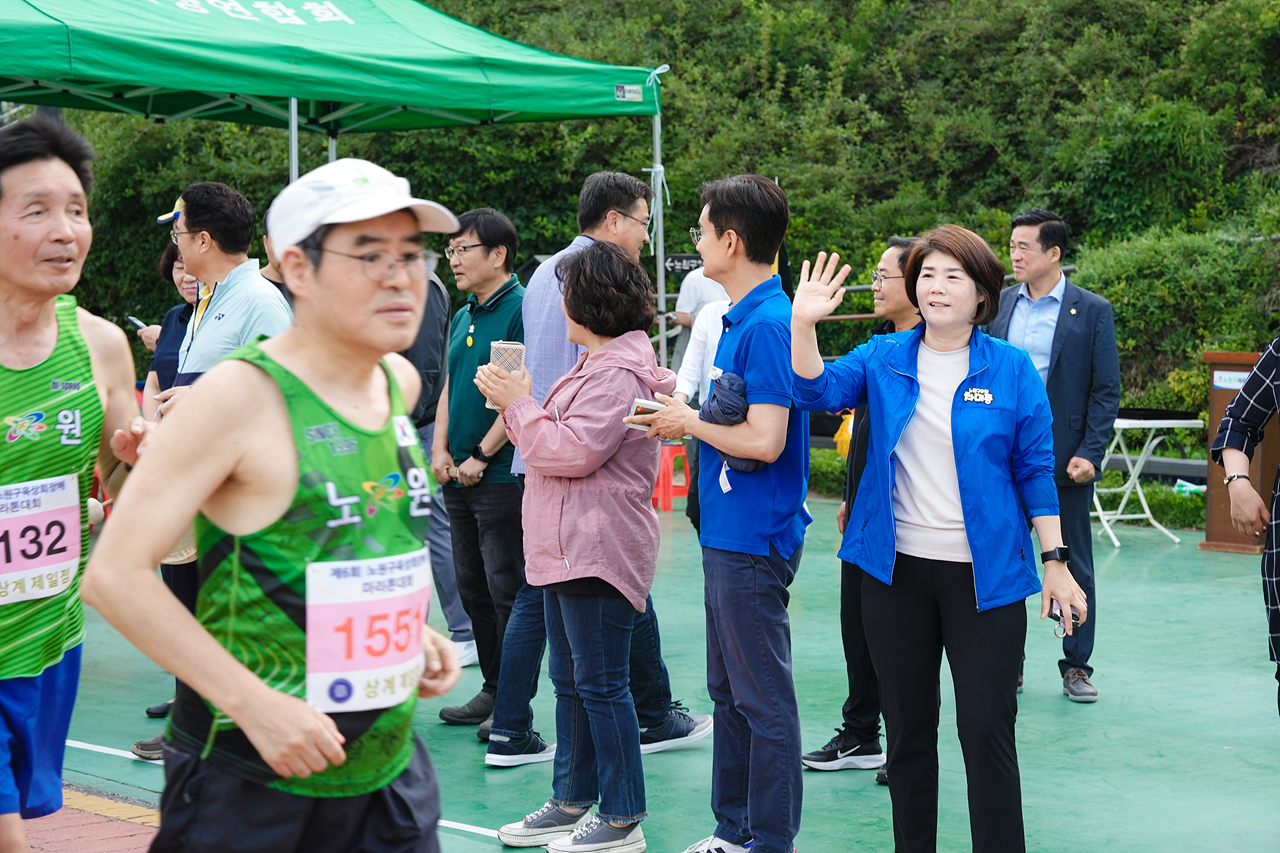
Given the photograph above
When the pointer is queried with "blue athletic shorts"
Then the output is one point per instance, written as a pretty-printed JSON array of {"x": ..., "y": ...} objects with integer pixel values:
[{"x": 35, "y": 716}]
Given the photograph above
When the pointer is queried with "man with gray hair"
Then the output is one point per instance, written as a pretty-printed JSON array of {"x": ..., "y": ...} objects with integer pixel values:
[{"x": 301, "y": 670}]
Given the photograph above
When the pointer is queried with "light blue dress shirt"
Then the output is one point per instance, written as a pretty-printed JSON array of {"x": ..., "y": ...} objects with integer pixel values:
[
  {"x": 1033, "y": 322},
  {"x": 548, "y": 354}
]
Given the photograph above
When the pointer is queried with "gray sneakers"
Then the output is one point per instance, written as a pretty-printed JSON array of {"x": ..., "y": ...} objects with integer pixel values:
[
  {"x": 543, "y": 826},
  {"x": 1077, "y": 687},
  {"x": 600, "y": 835}
]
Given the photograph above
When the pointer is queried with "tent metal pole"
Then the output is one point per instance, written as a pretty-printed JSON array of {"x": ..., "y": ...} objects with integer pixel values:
[
  {"x": 293, "y": 140},
  {"x": 333, "y": 147},
  {"x": 660, "y": 250}
]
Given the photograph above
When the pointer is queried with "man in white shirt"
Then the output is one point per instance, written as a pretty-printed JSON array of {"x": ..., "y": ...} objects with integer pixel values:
[
  {"x": 693, "y": 382},
  {"x": 696, "y": 292}
]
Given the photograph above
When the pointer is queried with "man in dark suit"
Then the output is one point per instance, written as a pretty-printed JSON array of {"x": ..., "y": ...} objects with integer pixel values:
[{"x": 1071, "y": 338}]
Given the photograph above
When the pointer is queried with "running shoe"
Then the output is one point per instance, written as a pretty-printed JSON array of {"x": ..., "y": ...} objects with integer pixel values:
[
  {"x": 845, "y": 751},
  {"x": 466, "y": 651}
]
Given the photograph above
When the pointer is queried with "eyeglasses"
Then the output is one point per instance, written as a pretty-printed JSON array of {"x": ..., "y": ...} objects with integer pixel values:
[
  {"x": 381, "y": 266},
  {"x": 877, "y": 278},
  {"x": 173, "y": 235},
  {"x": 645, "y": 222},
  {"x": 696, "y": 235},
  {"x": 458, "y": 251}
]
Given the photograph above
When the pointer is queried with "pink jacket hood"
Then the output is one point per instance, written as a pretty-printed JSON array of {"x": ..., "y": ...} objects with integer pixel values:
[{"x": 587, "y": 505}]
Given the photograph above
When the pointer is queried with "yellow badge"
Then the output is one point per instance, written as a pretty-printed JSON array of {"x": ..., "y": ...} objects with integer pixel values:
[{"x": 469, "y": 341}]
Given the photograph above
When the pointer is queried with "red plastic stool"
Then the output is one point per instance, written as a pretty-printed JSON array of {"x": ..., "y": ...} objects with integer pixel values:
[{"x": 666, "y": 491}]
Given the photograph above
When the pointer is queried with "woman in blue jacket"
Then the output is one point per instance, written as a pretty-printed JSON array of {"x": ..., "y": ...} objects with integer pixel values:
[{"x": 960, "y": 443}]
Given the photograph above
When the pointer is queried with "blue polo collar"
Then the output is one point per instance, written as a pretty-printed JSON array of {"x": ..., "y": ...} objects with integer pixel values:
[{"x": 742, "y": 308}]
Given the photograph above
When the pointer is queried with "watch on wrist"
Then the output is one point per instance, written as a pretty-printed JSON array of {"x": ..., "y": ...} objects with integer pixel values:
[
  {"x": 1062, "y": 552},
  {"x": 478, "y": 454}
]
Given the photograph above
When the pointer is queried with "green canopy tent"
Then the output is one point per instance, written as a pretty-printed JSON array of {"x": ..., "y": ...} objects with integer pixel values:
[{"x": 331, "y": 67}]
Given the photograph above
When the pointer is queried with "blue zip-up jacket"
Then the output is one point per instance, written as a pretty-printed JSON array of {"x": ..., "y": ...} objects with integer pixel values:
[{"x": 1001, "y": 430}]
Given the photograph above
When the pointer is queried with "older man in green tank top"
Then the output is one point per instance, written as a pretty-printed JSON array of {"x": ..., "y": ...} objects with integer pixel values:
[
  {"x": 303, "y": 664},
  {"x": 66, "y": 405}
]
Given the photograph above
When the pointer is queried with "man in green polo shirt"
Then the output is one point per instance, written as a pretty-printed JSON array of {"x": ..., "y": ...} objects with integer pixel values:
[{"x": 470, "y": 454}]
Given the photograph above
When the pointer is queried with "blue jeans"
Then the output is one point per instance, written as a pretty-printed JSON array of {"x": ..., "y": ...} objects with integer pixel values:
[
  {"x": 526, "y": 639},
  {"x": 440, "y": 544},
  {"x": 598, "y": 738},
  {"x": 756, "y": 787}
]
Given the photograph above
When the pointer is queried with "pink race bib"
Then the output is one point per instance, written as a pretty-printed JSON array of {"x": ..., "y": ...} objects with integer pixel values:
[
  {"x": 364, "y": 630},
  {"x": 39, "y": 538}
]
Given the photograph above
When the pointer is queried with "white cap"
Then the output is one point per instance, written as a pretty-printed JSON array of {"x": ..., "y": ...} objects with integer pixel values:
[{"x": 347, "y": 190}]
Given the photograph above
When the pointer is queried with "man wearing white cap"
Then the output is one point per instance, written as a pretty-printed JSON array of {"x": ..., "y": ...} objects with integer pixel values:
[{"x": 302, "y": 667}]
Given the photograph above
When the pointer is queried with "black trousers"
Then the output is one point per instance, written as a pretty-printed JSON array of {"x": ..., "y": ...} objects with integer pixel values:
[
  {"x": 488, "y": 560},
  {"x": 862, "y": 708},
  {"x": 931, "y": 607},
  {"x": 1076, "y": 502}
]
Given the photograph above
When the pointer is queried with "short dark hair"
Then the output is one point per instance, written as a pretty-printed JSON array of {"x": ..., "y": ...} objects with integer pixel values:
[
  {"x": 492, "y": 229},
  {"x": 44, "y": 138},
  {"x": 168, "y": 258},
  {"x": 606, "y": 191},
  {"x": 754, "y": 208},
  {"x": 903, "y": 243},
  {"x": 1054, "y": 230},
  {"x": 220, "y": 210},
  {"x": 975, "y": 257},
  {"x": 606, "y": 290}
]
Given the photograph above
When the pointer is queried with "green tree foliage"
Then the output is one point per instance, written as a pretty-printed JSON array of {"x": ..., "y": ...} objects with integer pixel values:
[{"x": 1154, "y": 125}]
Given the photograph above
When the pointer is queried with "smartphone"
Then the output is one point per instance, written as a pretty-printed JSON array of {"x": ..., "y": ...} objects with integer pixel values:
[
  {"x": 1055, "y": 612},
  {"x": 135, "y": 321},
  {"x": 641, "y": 406}
]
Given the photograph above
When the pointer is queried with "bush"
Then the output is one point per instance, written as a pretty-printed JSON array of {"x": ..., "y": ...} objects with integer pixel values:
[
  {"x": 826, "y": 473},
  {"x": 1175, "y": 295}
]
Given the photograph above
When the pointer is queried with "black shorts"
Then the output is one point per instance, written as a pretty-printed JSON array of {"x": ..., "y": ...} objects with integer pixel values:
[{"x": 206, "y": 809}]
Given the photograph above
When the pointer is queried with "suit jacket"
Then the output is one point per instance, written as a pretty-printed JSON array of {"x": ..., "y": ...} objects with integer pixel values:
[
  {"x": 430, "y": 350},
  {"x": 1084, "y": 376}
]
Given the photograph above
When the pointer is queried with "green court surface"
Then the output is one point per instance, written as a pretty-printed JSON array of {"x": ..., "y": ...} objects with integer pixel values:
[{"x": 1180, "y": 753}]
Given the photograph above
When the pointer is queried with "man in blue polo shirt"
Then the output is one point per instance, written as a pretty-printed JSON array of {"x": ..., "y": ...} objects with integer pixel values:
[
  {"x": 753, "y": 525},
  {"x": 213, "y": 225}
]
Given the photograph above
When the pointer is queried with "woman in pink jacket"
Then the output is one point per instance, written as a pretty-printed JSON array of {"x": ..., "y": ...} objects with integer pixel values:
[{"x": 591, "y": 543}]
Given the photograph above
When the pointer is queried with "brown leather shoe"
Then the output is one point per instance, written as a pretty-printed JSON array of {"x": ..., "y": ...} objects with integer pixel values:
[{"x": 1077, "y": 687}]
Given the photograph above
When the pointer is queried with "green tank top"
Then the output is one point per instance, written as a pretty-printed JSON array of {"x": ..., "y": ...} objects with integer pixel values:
[
  {"x": 328, "y": 602},
  {"x": 51, "y": 423}
]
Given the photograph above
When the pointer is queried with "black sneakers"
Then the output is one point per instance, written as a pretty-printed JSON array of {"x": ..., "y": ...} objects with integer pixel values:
[
  {"x": 679, "y": 729},
  {"x": 844, "y": 752},
  {"x": 513, "y": 752}
]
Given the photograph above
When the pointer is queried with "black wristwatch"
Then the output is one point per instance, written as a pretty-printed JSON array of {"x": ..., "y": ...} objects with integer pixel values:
[
  {"x": 478, "y": 454},
  {"x": 1062, "y": 552}
]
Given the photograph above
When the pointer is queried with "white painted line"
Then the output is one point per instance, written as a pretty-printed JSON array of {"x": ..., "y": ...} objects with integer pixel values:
[
  {"x": 106, "y": 750},
  {"x": 466, "y": 827}
]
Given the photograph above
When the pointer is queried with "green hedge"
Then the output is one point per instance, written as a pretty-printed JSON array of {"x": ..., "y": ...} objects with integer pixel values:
[{"x": 826, "y": 473}]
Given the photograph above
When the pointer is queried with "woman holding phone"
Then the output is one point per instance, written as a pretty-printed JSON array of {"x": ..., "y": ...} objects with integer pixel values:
[{"x": 960, "y": 442}]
